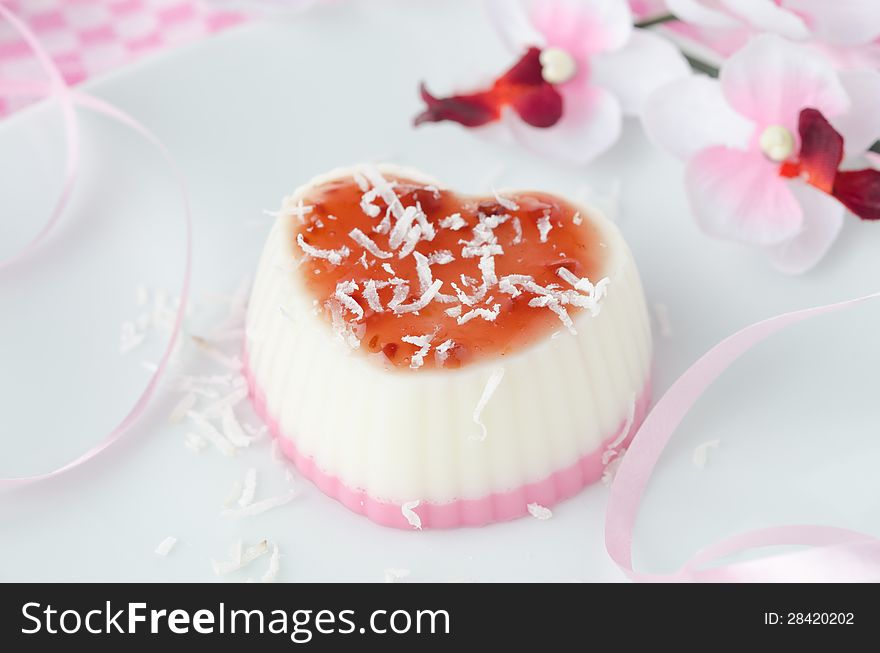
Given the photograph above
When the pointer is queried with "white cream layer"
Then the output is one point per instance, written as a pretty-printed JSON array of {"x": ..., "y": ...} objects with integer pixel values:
[{"x": 403, "y": 435}]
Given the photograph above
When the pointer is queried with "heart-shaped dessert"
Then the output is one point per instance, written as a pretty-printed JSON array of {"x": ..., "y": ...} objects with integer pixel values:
[{"x": 436, "y": 360}]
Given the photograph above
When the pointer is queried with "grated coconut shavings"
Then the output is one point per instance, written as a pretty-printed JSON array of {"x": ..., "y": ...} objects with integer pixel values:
[
  {"x": 335, "y": 256},
  {"x": 408, "y": 510},
  {"x": 260, "y": 507},
  {"x": 491, "y": 386},
  {"x": 249, "y": 489},
  {"x": 539, "y": 512},
  {"x": 165, "y": 546},
  {"x": 701, "y": 452}
]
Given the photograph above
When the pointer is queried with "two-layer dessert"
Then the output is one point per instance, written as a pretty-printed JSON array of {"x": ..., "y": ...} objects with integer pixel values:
[{"x": 436, "y": 360}]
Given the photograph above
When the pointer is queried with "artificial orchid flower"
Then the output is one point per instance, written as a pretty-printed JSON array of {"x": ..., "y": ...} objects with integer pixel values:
[
  {"x": 843, "y": 22},
  {"x": 764, "y": 144},
  {"x": 846, "y": 30},
  {"x": 581, "y": 67}
]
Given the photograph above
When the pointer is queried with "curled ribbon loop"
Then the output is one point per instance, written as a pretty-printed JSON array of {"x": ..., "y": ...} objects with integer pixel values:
[
  {"x": 837, "y": 554},
  {"x": 55, "y": 87}
]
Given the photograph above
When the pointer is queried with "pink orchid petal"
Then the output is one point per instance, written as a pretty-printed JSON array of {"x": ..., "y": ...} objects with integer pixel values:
[
  {"x": 511, "y": 20},
  {"x": 841, "y": 22},
  {"x": 739, "y": 195},
  {"x": 590, "y": 124},
  {"x": 768, "y": 16},
  {"x": 823, "y": 220},
  {"x": 770, "y": 80},
  {"x": 855, "y": 57},
  {"x": 702, "y": 13},
  {"x": 643, "y": 65},
  {"x": 691, "y": 114},
  {"x": 583, "y": 28},
  {"x": 860, "y": 126}
]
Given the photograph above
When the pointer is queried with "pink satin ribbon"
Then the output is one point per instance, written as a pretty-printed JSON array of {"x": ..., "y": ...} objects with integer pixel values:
[
  {"x": 56, "y": 88},
  {"x": 836, "y": 554}
]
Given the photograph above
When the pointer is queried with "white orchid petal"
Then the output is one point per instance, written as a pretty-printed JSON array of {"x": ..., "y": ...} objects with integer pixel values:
[
  {"x": 644, "y": 64},
  {"x": 767, "y": 16},
  {"x": 590, "y": 124},
  {"x": 700, "y": 13},
  {"x": 511, "y": 20},
  {"x": 691, "y": 114},
  {"x": 823, "y": 220},
  {"x": 860, "y": 126},
  {"x": 583, "y": 28},
  {"x": 841, "y": 22}
]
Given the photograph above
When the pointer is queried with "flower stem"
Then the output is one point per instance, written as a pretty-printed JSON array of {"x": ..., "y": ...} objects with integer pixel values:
[
  {"x": 656, "y": 20},
  {"x": 697, "y": 64},
  {"x": 701, "y": 66}
]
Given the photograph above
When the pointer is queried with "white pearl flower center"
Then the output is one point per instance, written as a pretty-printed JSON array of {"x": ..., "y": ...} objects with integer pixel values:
[
  {"x": 557, "y": 65},
  {"x": 777, "y": 143}
]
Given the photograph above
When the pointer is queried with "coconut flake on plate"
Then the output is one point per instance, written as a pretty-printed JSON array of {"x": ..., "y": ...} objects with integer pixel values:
[
  {"x": 195, "y": 442},
  {"x": 489, "y": 389},
  {"x": 232, "y": 428},
  {"x": 274, "y": 566},
  {"x": 701, "y": 452},
  {"x": 259, "y": 507},
  {"x": 131, "y": 337},
  {"x": 182, "y": 408},
  {"x": 249, "y": 488},
  {"x": 164, "y": 547},
  {"x": 539, "y": 512},
  {"x": 215, "y": 354},
  {"x": 240, "y": 557},
  {"x": 394, "y": 574},
  {"x": 210, "y": 432},
  {"x": 234, "y": 494},
  {"x": 408, "y": 510}
]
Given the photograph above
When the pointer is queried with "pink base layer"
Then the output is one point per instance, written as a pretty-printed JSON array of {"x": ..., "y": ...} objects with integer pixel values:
[{"x": 500, "y": 506}]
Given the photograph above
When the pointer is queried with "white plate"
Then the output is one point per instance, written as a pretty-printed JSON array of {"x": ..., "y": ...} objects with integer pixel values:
[{"x": 251, "y": 114}]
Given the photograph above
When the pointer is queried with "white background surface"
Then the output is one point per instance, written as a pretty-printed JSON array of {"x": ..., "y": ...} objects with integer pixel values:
[{"x": 251, "y": 114}]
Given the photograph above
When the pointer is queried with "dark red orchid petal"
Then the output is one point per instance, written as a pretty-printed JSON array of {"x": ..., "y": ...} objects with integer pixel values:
[
  {"x": 539, "y": 107},
  {"x": 472, "y": 110},
  {"x": 522, "y": 87},
  {"x": 859, "y": 191},
  {"x": 821, "y": 149},
  {"x": 528, "y": 71}
]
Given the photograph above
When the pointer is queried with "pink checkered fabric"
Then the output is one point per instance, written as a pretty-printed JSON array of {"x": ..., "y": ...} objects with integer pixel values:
[{"x": 90, "y": 37}]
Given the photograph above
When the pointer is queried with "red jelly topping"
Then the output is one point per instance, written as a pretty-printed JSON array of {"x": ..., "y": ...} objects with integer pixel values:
[{"x": 508, "y": 322}]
